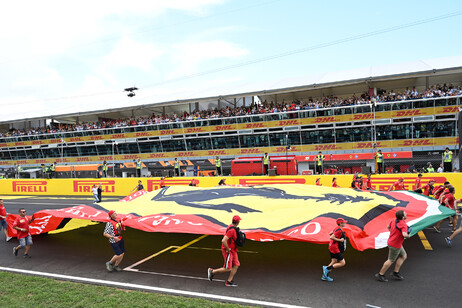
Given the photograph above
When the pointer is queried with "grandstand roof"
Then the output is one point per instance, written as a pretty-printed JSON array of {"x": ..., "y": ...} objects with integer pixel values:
[{"x": 416, "y": 73}]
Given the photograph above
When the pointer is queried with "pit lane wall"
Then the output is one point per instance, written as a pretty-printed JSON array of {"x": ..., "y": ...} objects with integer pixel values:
[{"x": 123, "y": 186}]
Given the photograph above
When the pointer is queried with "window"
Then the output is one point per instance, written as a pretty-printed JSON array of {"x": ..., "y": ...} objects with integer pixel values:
[
  {"x": 150, "y": 147},
  {"x": 225, "y": 142},
  {"x": 253, "y": 141},
  {"x": 196, "y": 144},
  {"x": 320, "y": 136}
]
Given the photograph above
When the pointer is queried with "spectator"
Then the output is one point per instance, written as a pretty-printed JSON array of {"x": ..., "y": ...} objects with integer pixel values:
[{"x": 440, "y": 168}]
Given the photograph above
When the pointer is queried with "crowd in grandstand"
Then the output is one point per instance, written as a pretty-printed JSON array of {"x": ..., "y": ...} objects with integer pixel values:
[{"x": 263, "y": 108}]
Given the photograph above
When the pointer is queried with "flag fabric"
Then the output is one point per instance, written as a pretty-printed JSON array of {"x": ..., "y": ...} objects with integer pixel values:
[{"x": 270, "y": 212}]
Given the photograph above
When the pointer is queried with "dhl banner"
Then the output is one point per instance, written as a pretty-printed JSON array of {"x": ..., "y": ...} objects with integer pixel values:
[
  {"x": 269, "y": 212},
  {"x": 124, "y": 186},
  {"x": 277, "y": 150},
  {"x": 269, "y": 124}
]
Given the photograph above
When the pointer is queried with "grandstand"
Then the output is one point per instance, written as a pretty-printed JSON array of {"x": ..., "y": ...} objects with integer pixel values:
[{"x": 405, "y": 111}]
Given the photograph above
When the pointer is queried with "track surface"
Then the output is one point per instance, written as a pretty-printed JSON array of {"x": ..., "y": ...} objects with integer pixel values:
[{"x": 282, "y": 272}]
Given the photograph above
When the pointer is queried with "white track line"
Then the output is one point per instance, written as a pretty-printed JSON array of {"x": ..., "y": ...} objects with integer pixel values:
[
  {"x": 169, "y": 275},
  {"x": 150, "y": 288}
]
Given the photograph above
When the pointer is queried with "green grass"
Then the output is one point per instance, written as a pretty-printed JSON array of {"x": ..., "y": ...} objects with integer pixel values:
[{"x": 18, "y": 290}]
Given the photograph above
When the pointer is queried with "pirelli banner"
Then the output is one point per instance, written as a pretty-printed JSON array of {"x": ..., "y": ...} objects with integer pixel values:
[{"x": 123, "y": 186}]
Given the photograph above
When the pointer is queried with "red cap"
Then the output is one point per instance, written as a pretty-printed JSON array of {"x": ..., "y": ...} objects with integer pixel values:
[
  {"x": 236, "y": 218},
  {"x": 111, "y": 212},
  {"x": 432, "y": 180},
  {"x": 401, "y": 179},
  {"x": 341, "y": 220}
]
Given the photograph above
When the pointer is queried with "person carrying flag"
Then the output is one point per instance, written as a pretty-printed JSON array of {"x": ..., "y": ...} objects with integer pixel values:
[
  {"x": 427, "y": 189},
  {"x": 418, "y": 183},
  {"x": 113, "y": 232},
  {"x": 3, "y": 222},
  {"x": 458, "y": 231},
  {"x": 337, "y": 246},
  {"x": 368, "y": 183},
  {"x": 398, "y": 185},
  {"x": 21, "y": 225},
  {"x": 334, "y": 182},
  {"x": 448, "y": 201},
  {"x": 399, "y": 231},
  {"x": 318, "y": 182}
]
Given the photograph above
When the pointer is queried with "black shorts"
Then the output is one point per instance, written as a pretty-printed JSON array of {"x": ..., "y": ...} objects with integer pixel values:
[
  {"x": 118, "y": 247},
  {"x": 338, "y": 256}
]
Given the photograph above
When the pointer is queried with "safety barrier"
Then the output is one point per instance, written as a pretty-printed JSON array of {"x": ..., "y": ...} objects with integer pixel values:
[{"x": 123, "y": 186}]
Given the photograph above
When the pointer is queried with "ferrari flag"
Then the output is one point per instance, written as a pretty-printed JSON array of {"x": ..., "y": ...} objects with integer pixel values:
[{"x": 271, "y": 212}]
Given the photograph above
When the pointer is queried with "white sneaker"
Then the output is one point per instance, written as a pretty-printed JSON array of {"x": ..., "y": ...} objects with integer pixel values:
[{"x": 8, "y": 238}]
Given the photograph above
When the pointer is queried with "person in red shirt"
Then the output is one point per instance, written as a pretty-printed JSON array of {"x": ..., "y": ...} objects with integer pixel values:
[
  {"x": 162, "y": 182},
  {"x": 334, "y": 182},
  {"x": 229, "y": 251},
  {"x": 427, "y": 189},
  {"x": 337, "y": 246},
  {"x": 358, "y": 182},
  {"x": 399, "y": 185},
  {"x": 448, "y": 201},
  {"x": 458, "y": 231},
  {"x": 418, "y": 184},
  {"x": 437, "y": 191},
  {"x": 3, "y": 222},
  {"x": 368, "y": 183},
  {"x": 193, "y": 182},
  {"x": 113, "y": 232},
  {"x": 21, "y": 224},
  {"x": 399, "y": 230},
  {"x": 318, "y": 182}
]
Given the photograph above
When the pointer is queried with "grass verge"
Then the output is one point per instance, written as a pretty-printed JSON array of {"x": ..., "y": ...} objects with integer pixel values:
[{"x": 18, "y": 290}]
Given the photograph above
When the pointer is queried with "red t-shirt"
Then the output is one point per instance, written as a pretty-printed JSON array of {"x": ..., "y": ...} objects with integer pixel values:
[
  {"x": 426, "y": 189},
  {"x": 232, "y": 236},
  {"x": 23, "y": 223},
  {"x": 396, "y": 237},
  {"x": 398, "y": 185},
  {"x": 417, "y": 183},
  {"x": 451, "y": 200},
  {"x": 437, "y": 192},
  {"x": 369, "y": 183},
  {"x": 334, "y": 184},
  {"x": 2, "y": 212},
  {"x": 357, "y": 185},
  {"x": 333, "y": 245}
]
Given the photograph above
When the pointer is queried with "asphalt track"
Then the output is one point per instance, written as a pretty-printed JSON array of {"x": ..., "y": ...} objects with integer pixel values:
[{"x": 281, "y": 272}]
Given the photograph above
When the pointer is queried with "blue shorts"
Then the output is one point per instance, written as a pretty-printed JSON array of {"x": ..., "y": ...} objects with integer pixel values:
[
  {"x": 118, "y": 247},
  {"x": 3, "y": 224},
  {"x": 25, "y": 241}
]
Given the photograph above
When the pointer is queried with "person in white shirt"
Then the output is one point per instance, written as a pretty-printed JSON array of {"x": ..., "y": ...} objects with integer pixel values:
[
  {"x": 440, "y": 169},
  {"x": 94, "y": 190}
]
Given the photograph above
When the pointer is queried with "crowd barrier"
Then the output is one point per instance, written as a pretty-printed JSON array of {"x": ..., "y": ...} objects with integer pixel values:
[{"x": 123, "y": 186}]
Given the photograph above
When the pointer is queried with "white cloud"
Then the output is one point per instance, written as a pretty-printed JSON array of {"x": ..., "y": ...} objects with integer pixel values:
[
  {"x": 130, "y": 53},
  {"x": 188, "y": 56}
]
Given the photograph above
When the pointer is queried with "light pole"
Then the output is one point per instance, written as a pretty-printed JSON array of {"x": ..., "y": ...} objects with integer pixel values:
[
  {"x": 114, "y": 143},
  {"x": 287, "y": 149}
]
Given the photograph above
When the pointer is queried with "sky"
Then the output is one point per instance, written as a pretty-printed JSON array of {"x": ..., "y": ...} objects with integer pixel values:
[{"x": 60, "y": 57}]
